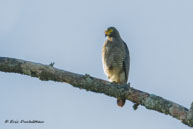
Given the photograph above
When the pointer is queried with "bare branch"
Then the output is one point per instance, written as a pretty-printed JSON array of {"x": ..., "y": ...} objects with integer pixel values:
[{"x": 47, "y": 72}]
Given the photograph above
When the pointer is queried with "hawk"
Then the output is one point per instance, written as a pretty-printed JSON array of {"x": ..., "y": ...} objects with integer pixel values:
[{"x": 116, "y": 59}]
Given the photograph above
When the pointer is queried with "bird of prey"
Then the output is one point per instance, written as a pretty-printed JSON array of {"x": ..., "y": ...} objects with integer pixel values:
[{"x": 116, "y": 59}]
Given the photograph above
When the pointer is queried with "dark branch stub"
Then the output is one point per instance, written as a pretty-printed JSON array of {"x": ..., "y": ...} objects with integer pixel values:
[
  {"x": 135, "y": 106},
  {"x": 191, "y": 108}
]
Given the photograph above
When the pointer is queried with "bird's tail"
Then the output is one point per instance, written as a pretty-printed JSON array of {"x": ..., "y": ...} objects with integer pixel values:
[{"x": 120, "y": 102}]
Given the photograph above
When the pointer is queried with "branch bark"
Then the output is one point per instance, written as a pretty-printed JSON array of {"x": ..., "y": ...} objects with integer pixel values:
[{"x": 149, "y": 101}]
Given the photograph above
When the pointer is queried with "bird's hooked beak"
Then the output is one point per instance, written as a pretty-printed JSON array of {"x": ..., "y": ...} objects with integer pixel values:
[{"x": 106, "y": 33}]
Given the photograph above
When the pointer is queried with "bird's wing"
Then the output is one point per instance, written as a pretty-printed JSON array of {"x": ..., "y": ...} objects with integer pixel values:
[{"x": 126, "y": 61}]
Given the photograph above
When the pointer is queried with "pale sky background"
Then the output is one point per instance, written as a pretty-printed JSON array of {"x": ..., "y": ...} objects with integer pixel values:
[{"x": 159, "y": 34}]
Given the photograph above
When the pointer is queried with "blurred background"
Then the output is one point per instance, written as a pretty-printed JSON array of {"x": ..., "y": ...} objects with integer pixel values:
[{"x": 70, "y": 33}]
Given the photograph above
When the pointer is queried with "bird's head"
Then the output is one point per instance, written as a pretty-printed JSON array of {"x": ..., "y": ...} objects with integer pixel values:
[{"x": 112, "y": 32}]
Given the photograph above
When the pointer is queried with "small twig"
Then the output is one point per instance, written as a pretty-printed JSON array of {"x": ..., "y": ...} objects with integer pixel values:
[
  {"x": 191, "y": 108},
  {"x": 52, "y": 64}
]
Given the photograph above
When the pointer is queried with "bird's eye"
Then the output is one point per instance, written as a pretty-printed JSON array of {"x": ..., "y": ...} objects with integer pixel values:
[{"x": 110, "y": 31}]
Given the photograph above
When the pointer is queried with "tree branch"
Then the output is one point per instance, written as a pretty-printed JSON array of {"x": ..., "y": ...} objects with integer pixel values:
[{"x": 48, "y": 72}]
